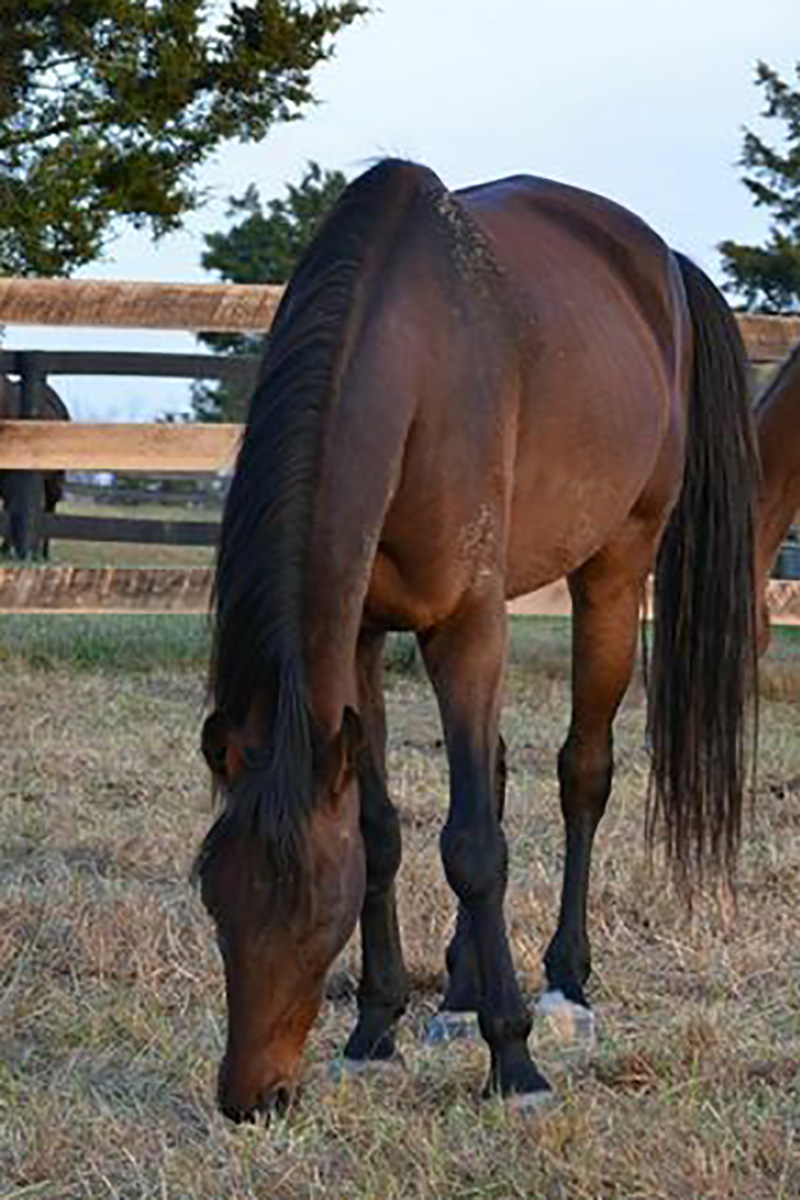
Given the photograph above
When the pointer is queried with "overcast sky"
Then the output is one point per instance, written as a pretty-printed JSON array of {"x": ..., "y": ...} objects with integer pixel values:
[{"x": 641, "y": 100}]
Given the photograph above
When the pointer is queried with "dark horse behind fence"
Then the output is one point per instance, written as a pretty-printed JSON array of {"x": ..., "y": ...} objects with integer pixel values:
[
  {"x": 28, "y": 494},
  {"x": 777, "y": 418},
  {"x": 466, "y": 395}
]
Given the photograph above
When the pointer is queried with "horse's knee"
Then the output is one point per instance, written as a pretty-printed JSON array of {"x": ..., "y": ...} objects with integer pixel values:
[
  {"x": 475, "y": 858},
  {"x": 584, "y": 774}
]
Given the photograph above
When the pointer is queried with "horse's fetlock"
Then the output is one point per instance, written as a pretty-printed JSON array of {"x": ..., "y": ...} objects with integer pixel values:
[{"x": 509, "y": 1027}]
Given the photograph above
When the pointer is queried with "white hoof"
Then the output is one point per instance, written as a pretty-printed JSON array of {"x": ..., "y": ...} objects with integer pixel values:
[
  {"x": 366, "y": 1068},
  {"x": 573, "y": 1023},
  {"x": 530, "y": 1103},
  {"x": 452, "y": 1027}
]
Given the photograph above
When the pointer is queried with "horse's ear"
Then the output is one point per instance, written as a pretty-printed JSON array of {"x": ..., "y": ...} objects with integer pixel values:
[
  {"x": 345, "y": 751},
  {"x": 214, "y": 744}
]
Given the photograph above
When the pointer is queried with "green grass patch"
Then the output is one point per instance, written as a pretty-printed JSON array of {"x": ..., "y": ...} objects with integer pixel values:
[
  {"x": 114, "y": 642},
  {"x": 129, "y": 642}
]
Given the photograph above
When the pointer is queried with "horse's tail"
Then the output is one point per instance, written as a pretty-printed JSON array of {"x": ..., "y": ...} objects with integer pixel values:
[{"x": 704, "y": 644}]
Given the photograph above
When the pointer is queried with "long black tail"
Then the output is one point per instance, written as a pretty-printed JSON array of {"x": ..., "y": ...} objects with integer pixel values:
[{"x": 704, "y": 646}]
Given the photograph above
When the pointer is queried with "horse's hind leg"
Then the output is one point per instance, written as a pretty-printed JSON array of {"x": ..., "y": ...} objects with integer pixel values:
[
  {"x": 458, "y": 1016},
  {"x": 465, "y": 657},
  {"x": 383, "y": 989},
  {"x": 606, "y": 596}
]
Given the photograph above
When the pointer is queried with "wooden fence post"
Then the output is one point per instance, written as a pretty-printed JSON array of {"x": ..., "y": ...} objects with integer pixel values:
[{"x": 26, "y": 504}]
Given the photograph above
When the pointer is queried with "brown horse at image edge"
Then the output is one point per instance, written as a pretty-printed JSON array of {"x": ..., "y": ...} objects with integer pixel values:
[
  {"x": 777, "y": 418},
  {"x": 465, "y": 396}
]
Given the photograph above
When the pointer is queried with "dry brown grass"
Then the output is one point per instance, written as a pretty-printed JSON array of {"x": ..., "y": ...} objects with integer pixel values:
[{"x": 111, "y": 1008}]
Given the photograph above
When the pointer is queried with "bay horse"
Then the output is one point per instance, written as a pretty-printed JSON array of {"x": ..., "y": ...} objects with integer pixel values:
[
  {"x": 25, "y": 493},
  {"x": 466, "y": 395},
  {"x": 777, "y": 419}
]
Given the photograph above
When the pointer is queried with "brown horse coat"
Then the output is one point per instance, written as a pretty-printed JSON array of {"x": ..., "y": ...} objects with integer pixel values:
[{"x": 465, "y": 396}]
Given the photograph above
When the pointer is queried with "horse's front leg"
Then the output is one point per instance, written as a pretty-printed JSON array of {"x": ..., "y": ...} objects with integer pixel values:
[
  {"x": 606, "y": 598},
  {"x": 383, "y": 990},
  {"x": 458, "y": 1016},
  {"x": 465, "y": 658}
]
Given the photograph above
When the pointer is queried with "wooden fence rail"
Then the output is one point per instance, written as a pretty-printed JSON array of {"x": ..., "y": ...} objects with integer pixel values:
[
  {"x": 188, "y": 590},
  {"x": 230, "y": 307},
  {"x": 128, "y": 362},
  {"x": 189, "y": 448},
  {"x": 55, "y": 445},
  {"x": 113, "y": 304}
]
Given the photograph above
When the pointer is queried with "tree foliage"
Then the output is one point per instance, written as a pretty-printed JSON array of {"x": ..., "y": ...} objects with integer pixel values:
[
  {"x": 263, "y": 245},
  {"x": 108, "y": 107},
  {"x": 768, "y": 277}
]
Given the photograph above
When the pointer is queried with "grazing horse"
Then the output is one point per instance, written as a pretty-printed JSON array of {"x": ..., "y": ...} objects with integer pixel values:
[
  {"x": 777, "y": 418},
  {"x": 25, "y": 492},
  {"x": 466, "y": 396}
]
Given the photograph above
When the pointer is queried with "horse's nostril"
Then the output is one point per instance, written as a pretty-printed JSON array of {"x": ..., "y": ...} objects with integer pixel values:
[{"x": 281, "y": 1100}]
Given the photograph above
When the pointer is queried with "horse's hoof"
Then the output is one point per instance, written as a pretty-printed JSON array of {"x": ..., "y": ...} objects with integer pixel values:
[
  {"x": 530, "y": 1104},
  {"x": 573, "y": 1023},
  {"x": 447, "y": 1026},
  {"x": 366, "y": 1068}
]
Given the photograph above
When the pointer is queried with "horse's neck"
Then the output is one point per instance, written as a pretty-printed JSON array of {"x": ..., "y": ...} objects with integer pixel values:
[{"x": 778, "y": 427}]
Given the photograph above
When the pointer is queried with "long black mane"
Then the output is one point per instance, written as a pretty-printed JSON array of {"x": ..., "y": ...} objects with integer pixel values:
[{"x": 258, "y": 649}]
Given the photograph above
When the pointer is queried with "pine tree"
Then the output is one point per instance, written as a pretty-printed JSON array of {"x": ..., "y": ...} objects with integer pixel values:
[
  {"x": 262, "y": 246},
  {"x": 768, "y": 277}
]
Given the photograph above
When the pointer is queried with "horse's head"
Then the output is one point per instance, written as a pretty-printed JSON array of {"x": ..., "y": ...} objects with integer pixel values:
[{"x": 285, "y": 893}]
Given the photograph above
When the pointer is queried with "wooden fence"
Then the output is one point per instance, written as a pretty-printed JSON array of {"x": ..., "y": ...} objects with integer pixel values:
[
  {"x": 236, "y": 308},
  {"x": 166, "y": 448}
]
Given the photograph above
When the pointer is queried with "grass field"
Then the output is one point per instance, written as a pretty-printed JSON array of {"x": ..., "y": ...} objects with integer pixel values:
[{"x": 111, "y": 1004}]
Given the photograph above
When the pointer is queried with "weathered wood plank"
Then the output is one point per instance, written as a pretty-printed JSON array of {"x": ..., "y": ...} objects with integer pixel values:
[
  {"x": 105, "y": 589},
  {"x": 188, "y": 590},
  {"x": 783, "y": 598},
  {"x": 195, "y": 307},
  {"x": 230, "y": 307},
  {"x": 52, "y": 445},
  {"x": 768, "y": 339}
]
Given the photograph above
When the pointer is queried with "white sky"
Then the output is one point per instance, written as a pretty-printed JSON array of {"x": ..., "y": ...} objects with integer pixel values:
[{"x": 641, "y": 100}]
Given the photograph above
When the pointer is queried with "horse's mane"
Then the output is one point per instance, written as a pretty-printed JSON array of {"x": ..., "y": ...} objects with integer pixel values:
[{"x": 259, "y": 593}]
